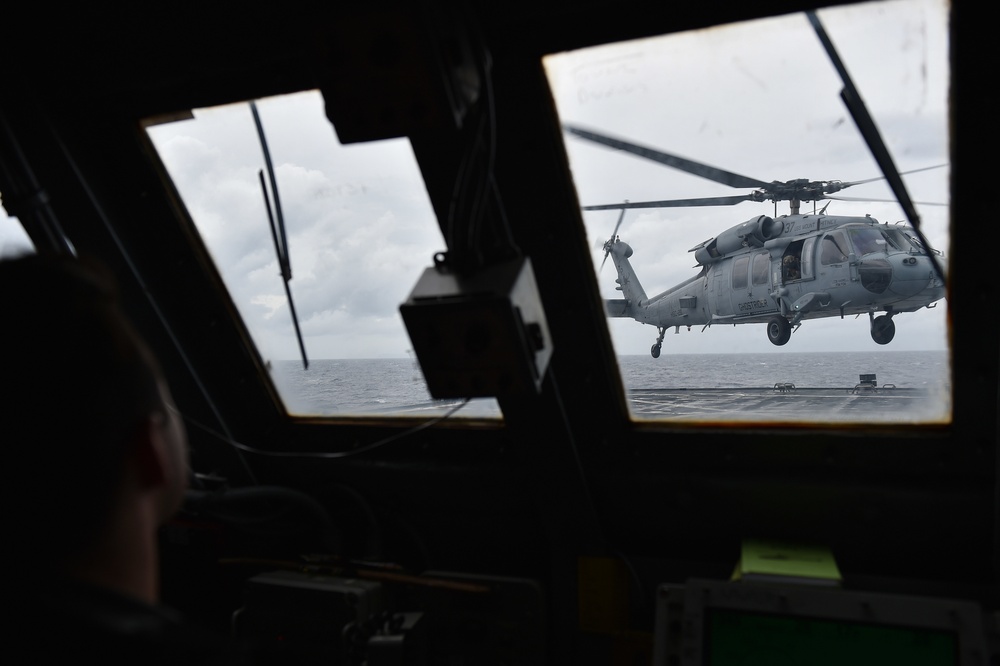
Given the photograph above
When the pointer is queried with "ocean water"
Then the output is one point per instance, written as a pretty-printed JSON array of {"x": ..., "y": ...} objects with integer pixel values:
[
  {"x": 918, "y": 370},
  {"x": 339, "y": 387}
]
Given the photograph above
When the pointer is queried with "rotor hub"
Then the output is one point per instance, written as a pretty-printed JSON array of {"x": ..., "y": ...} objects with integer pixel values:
[{"x": 800, "y": 189}]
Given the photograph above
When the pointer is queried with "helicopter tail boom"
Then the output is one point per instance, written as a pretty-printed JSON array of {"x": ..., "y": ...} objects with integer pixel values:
[{"x": 628, "y": 282}]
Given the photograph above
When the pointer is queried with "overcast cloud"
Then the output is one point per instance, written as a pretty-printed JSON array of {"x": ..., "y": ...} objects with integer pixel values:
[
  {"x": 760, "y": 99},
  {"x": 359, "y": 224}
]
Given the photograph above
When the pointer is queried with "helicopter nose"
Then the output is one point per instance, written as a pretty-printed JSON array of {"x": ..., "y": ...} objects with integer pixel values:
[
  {"x": 911, "y": 275},
  {"x": 875, "y": 274}
]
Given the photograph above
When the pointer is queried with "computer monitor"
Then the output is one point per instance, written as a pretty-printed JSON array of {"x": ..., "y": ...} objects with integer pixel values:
[{"x": 717, "y": 623}]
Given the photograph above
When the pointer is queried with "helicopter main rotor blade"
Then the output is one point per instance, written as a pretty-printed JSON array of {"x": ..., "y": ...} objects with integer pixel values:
[
  {"x": 675, "y": 161},
  {"x": 676, "y": 203},
  {"x": 901, "y": 173},
  {"x": 870, "y": 200}
]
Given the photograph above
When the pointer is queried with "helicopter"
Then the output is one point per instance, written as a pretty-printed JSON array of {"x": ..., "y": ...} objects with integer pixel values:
[{"x": 777, "y": 270}]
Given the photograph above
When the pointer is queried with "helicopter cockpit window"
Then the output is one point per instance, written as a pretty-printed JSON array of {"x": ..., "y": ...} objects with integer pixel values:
[
  {"x": 867, "y": 240},
  {"x": 899, "y": 240},
  {"x": 662, "y": 159},
  {"x": 358, "y": 232},
  {"x": 834, "y": 249}
]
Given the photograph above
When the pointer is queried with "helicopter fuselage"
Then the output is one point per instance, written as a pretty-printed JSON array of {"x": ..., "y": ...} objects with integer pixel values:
[{"x": 781, "y": 271}]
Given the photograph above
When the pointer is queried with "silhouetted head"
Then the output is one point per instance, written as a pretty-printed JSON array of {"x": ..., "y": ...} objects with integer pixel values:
[{"x": 79, "y": 387}]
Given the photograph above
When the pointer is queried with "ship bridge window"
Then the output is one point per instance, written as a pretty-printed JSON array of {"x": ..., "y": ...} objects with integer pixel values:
[
  {"x": 359, "y": 231},
  {"x": 651, "y": 122},
  {"x": 14, "y": 241}
]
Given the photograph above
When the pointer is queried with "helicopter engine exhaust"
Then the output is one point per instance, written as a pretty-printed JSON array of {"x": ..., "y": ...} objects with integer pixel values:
[{"x": 752, "y": 233}]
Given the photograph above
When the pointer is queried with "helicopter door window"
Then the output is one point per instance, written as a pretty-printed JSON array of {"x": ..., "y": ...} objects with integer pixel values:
[
  {"x": 740, "y": 266},
  {"x": 791, "y": 262},
  {"x": 790, "y": 266},
  {"x": 808, "y": 252},
  {"x": 761, "y": 263}
]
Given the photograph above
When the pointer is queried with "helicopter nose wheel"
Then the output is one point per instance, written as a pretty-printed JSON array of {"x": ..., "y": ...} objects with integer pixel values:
[
  {"x": 654, "y": 351},
  {"x": 883, "y": 328},
  {"x": 779, "y": 331}
]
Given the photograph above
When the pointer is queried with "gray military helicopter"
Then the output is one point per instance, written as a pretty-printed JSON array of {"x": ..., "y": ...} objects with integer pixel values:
[{"x": 781, "y": 270}]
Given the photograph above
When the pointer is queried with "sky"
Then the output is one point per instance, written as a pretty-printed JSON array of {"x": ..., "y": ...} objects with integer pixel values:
[
  {"x": 359, "y": 224},
  {"x": 760, "y": 99},
  {"x": 13, "y": 240}
]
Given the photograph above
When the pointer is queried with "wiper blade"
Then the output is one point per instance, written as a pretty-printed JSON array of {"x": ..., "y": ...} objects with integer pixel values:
[
  {"x": 278, "y": 229},
  {"x": 866, "y": 125}
]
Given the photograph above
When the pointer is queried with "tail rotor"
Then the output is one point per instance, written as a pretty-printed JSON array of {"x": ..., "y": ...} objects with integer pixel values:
[{"x": 614, "y": 234}]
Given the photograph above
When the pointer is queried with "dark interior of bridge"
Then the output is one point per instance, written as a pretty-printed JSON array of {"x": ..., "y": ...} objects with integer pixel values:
[{"x": 540, "y": 538}]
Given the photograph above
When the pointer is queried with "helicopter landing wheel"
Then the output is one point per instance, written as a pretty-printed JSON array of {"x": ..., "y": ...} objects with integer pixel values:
[
  {"x": 655, "y": 349},
  {"x": 779, "y": 331},
  {"x": 883, "y": 329}
]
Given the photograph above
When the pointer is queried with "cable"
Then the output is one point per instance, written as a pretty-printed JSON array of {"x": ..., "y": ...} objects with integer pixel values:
[
  {"x": 470, "y": 214},
  {"x": 154, "y": 304},
  {"x": 324, "y": 454},
  {"x": 240, "y": 507},
  {"x": 25, "y": 198}
]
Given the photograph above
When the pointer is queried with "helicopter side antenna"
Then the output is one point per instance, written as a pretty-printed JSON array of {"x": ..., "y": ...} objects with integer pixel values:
[{"x": 866, "y": 125}]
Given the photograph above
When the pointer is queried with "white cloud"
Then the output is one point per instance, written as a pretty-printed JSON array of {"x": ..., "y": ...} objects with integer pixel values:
[
  {"x": 759, "y": 99},
  {"x": 14, "y": 241},
  {"x": 270, "y": 302},
  {"x": 358, "y": 224}
]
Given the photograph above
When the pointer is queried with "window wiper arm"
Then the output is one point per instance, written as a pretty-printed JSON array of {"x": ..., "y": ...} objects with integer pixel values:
[
  {"x": 866, "y": 125},
  {"x": 278, "y": 229}
]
